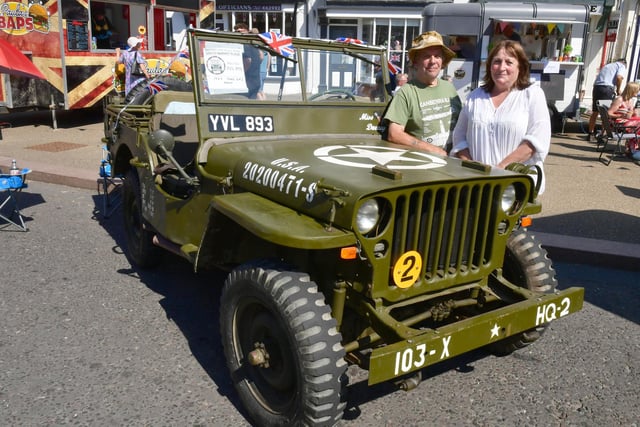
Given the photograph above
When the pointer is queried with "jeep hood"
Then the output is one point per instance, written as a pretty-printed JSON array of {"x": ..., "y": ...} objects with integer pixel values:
[{"x": 313, "y": 175}]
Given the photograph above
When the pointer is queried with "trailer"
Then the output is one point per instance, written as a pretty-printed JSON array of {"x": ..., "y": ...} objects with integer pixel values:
[
  {"x": 72, "y": 42},
  {"x": 553, "y": 35}
]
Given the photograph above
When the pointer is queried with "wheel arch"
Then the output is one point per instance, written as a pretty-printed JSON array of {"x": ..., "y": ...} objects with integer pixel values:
[
  {"x": 259, "y": 226},
  {"x": 121, "y": 160}
]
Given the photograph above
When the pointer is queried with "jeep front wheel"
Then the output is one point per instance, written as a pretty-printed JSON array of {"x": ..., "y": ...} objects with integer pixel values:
[
  {"x": 527, "y": 265},
  {"x": 140, "y": 247},
  {"x": 282, "y": 348}
]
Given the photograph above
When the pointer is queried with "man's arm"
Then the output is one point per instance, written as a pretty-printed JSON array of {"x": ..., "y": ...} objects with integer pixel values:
[
  {"x": 619, "y": 79},
  {"x": 397, "y": 134}
]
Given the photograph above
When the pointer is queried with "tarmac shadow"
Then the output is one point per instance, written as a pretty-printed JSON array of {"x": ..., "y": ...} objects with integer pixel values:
[
  {"x": 24, "y": 200},
  {"x": 190, "y": 300},
  {"x": 594, "y": 223},
  {"x": 64, "y": 119},
  {"x": 629, "y": 191}
]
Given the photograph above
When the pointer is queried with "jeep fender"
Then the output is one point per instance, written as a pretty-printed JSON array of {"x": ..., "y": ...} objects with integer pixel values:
[{"x": 270, "y": 222}]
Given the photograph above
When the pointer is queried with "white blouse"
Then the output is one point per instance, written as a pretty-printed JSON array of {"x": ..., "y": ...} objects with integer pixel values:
[{"x": 491, "y": 133}]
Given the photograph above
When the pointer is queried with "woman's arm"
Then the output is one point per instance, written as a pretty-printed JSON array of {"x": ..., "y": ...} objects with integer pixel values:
[
  {"x": 143, "y": 68},
  {"x": 521, "y": 154},
  {"x": 618, "y": 109},
  {"x": 460, "y": 146}
]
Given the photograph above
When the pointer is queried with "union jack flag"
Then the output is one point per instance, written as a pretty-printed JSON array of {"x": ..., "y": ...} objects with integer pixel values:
[
  {"x": 157, "y": 86},
  {"x": 184, "y": 53},
  {"x": 350, "y": 40},
  {"x": 393, "y": 68},
  {"x": 279, "y": 43}
]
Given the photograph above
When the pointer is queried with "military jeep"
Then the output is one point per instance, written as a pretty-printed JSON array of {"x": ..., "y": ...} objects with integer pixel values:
[{"x": 341, "y": 248}]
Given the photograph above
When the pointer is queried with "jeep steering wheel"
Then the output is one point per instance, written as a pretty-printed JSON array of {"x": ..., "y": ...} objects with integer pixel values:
[{"x": 339, "y": 94}]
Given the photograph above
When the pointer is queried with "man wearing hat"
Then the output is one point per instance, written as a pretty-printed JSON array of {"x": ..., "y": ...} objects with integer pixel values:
[
  {"x": 131, "y": 57},
  {"x": 423, "y": 114}
]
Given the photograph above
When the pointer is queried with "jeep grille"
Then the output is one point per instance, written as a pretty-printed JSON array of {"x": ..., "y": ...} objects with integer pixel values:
[{"x": 451, "y": 227}]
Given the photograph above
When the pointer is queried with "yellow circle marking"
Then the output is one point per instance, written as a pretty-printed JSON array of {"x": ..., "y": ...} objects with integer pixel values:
[{"x": 407, "y": 269}]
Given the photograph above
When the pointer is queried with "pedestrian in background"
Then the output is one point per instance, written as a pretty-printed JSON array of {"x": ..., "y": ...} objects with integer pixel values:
[
  {"x": 401, "y": 79},
  {"x": 264, "y": 68},
  {"x": 423, "y": 114},
  {"x": 506, "y": 119},
  {"x": 252, "y": 58},
  {"x": 607, "y": 85},
  {"x": 623, "y": 105},
  {"x": 132, "y": 56}
]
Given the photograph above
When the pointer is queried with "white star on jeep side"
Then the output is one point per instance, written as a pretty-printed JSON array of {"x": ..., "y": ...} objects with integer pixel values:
[{"x": 495, "y": 331}]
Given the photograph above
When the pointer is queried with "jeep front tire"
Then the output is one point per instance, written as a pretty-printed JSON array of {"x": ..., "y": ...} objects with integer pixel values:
[
  {"x": 527, "y": 265},
  {"x": 282, "y": 348}
]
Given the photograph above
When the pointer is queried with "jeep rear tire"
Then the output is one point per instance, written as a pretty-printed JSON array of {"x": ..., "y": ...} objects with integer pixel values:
[
  {"x": 140, "y": 248},
  {"x": 282, "y": 348},
  {"x": 527, "y": 265},
  {"x": 140, "y": 94}
]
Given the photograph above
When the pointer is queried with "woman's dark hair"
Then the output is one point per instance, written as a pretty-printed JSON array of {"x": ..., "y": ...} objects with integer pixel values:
[{"x": 512, "y": 48}]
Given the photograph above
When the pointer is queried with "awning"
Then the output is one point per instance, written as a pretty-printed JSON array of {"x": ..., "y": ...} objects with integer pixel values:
[
  {"x": 539, "y": 21},
  {"x": 179, "y": 4}
]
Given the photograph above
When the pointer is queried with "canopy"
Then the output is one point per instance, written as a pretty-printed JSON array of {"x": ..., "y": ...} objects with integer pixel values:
[{"x": 14, "y": 62}]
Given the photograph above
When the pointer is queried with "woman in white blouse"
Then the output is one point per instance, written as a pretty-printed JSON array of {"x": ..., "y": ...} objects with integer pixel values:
[{"x": 506, "y": 119}]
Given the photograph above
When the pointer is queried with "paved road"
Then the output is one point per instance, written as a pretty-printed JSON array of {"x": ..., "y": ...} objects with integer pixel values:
[{"x": 88, "y": 340}]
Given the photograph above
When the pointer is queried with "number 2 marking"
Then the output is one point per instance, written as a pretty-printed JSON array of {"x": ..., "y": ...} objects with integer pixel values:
[{"x": 406, "y": 270}]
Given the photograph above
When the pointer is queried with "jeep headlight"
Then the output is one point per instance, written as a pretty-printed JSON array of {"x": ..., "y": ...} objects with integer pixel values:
[
  {"x": 508, "y": 198},
  {"x": 367, "y": 216}
]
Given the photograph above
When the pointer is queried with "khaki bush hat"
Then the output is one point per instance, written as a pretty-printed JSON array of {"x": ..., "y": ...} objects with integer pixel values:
[{"x": 429, "y": 39}]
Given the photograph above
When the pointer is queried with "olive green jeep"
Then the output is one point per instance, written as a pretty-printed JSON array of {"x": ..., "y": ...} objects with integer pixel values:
[{"x": 341, "y": 248}]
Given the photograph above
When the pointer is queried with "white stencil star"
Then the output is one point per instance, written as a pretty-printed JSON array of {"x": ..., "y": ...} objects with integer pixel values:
[
  {"x": 380, "y": 157},
  {"x": 365, "y": 156},
  {"x": 495, "y": 330}
]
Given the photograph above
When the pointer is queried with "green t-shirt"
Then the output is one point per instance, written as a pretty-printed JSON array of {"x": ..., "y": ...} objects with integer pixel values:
[{"x": 427, "y": 112}]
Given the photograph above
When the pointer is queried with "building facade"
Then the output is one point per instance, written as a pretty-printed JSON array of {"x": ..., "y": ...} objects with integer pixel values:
[{"x": 613, "y": 28}]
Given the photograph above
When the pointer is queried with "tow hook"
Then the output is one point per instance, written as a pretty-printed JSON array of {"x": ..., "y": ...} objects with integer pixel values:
[{"x": 409, "y": 383}]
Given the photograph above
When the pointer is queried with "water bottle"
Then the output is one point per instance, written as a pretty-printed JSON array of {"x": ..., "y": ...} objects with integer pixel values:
[{"x": 14, "y": 168}]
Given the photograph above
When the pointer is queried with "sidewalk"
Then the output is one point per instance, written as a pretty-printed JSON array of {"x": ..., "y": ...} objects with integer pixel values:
[{"x": 590, "y": 211}]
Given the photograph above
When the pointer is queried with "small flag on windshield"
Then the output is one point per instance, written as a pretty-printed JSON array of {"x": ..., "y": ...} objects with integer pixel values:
[{"x": 279, "y": 43}]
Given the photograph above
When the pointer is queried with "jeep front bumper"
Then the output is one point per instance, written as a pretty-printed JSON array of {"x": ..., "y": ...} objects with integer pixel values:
[{"x": 436, "y": 345}]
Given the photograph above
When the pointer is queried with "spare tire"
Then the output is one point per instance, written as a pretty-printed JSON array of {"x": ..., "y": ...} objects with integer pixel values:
[{"x": 141, "y": 93}]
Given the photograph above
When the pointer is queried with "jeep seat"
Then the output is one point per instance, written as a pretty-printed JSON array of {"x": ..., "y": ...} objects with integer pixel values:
[{"x": 175, "y": 112}]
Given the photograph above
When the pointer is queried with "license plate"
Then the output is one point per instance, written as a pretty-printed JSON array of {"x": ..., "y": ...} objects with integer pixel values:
[{"x": 457, "y": 338}]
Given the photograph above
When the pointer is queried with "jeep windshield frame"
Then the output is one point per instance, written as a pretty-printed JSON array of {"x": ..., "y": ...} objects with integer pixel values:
[{"x": 317, "y": 71}]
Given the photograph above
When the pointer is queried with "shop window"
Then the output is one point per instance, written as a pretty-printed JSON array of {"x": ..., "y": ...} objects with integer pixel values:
[
  {"x": 171, "y": 35},
  {"x": 465, "y": 46},
  {"x": 122, "y": 21},
  {"x": 279, "y": 22},
  {"x": 540, "y": 40},
  {"x": 396, "y": 35}
]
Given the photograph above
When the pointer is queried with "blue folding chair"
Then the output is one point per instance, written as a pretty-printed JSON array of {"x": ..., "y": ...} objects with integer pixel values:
[
  {"x": 11, "y": 185},
  {"x": 108, "y": 185}
]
